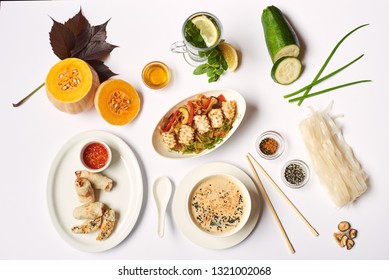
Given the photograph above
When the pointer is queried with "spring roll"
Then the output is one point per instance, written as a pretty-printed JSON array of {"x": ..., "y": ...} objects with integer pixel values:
[
  {"x": 84, "y": 190},
  {"x": 107, "y": 225},
  {"x": 97, "y": 180},
  {"x": 89, "y": 211},
  {"x": 87, "y": 226}
]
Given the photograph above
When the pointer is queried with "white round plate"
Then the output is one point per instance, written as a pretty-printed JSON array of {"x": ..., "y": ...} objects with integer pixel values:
[
  {"x": 229, "y": 94},
  {"x": 125, "y": 197},
  {"x": 182, "y": 218}
]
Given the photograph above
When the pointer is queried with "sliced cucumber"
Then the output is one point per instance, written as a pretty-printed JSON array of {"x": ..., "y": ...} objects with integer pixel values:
[
  {"x": 286, "y": 70},
  {"x": 280, "y": 37}
]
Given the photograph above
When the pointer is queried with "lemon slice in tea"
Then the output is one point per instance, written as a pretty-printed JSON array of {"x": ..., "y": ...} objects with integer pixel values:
[
  {"x": 207, "y": 28},
  {"x": 230, "y": 55}
]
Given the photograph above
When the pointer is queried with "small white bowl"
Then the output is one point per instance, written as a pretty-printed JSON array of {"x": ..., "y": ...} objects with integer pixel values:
[
  {"x": 101, "y": 149},
  {"x": 244, "y": 217},
  {"x": 295, "y": 181},
  {"x": 274, "y": 136}
]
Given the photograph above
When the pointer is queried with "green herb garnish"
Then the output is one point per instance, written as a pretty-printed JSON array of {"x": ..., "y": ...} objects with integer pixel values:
[
  {"x": 193, "y": 36},
  {"x": 215, "y": 66}
]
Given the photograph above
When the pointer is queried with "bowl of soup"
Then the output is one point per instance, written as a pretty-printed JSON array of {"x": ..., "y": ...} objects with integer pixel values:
[{"x": 219, "y": 205}]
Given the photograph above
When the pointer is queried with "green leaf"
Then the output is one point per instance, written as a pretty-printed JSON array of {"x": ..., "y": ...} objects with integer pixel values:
[
  {"x": 212, "y": 79},
  {"x": 219, "y": 71},
  {"x": 201, "y": 69},
  {"x": 210, "y": 71},
  {"x": 193, "y": 36},
  {"x": 214, "y": 53},
  {"x": 216, "y": 64},
  {"x": 224, "y": 64}
]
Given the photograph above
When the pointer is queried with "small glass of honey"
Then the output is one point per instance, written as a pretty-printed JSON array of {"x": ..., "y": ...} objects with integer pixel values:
[{"x": 156, "y": 75}]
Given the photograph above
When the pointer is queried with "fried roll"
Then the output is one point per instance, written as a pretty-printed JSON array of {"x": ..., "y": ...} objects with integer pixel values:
[
  {"x": 89, "y": 211},
  {"x": 84, "y": 190},
  {"x": 97, "y": 180}
]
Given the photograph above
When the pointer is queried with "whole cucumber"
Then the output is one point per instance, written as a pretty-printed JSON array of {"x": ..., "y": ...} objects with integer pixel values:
[{"x": 280, "y": 37}]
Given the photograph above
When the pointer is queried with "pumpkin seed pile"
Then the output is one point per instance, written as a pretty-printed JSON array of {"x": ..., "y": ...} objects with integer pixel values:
[{"x": 69, "y": 79}]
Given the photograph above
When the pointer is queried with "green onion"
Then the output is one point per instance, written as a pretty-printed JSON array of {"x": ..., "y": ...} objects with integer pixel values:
[
  {"x": 324, "y": 78},
  {"x": 28, "y": 96},
  {"x": 327, "y": 90},
  {"x": 326, "y": 63}
]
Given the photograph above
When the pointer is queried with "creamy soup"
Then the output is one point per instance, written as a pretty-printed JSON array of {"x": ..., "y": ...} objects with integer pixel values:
[{"x": 217, "y": 204}]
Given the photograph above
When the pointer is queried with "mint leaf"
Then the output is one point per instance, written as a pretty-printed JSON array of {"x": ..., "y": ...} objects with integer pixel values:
[
  {"x": 210, "y": 71},
  {"x": 193, "y": 36},
  {"x": 201, "y": 69}
]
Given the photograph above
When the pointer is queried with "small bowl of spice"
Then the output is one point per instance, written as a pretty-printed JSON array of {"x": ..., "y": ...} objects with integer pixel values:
[
  {"x": 270, "y": 145},
  {"x": 95, "y": 156},
  {"x": 295, "y": 173}
]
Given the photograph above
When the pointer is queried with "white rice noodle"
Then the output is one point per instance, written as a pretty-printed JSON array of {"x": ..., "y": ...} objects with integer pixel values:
[{"x": 333, "y": 159}]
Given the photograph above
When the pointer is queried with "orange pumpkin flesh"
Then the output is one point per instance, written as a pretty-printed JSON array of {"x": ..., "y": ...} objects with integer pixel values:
[
  {"x": 117, "y": 102},
  {"x": 71, "y": 85}
]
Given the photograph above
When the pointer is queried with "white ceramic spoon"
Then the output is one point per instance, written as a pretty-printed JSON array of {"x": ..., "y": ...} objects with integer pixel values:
[{"x": 162, "y": 190}]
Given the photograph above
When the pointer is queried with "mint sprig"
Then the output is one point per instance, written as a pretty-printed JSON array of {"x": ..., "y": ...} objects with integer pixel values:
[{"x": 215, "y": 66}]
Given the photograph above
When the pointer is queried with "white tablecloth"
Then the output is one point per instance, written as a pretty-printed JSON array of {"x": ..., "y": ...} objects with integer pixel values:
[{"x": 32, "y": 135}]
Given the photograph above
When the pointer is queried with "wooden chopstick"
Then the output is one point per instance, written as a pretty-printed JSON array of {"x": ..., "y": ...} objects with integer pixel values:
[
  {"x": 270, "y": 205},
  {"x": 310, "y": 227}
]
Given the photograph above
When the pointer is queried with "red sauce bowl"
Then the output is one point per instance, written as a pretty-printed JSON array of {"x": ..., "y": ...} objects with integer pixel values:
[{"x": 96, "y": 156}]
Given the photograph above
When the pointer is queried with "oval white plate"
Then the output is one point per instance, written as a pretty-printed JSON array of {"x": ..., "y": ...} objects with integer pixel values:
[
  {"x": 125, "y": 197},
  {"x": 229, "y": 94},
  {"x": 182, "y": 218}
]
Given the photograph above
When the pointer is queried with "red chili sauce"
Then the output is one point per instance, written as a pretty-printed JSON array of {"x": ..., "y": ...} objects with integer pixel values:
[{"x": 95, "y": 156}]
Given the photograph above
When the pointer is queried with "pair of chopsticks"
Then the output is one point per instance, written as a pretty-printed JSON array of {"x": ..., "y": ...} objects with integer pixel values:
[{"x": 270, "y": 205}]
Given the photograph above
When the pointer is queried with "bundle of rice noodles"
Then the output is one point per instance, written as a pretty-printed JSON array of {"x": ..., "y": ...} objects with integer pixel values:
[{"x": 333, "y": 159}]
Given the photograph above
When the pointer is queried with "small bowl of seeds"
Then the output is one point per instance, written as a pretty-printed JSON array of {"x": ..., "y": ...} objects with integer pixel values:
[
  {"x": 270, "y": 145},
  {"x": 295, "y": 173}
]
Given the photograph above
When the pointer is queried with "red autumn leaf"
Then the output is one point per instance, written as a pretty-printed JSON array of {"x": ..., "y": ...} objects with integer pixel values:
[
  {"x": 81, "y": 29},
  {"x": 102, "y": 70},
  {"x": 77, "y": 38},
  {"x": 62, "y": 40}
]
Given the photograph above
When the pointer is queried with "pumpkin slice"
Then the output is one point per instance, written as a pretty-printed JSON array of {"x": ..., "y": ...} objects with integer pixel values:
[
  {"x": 71, "y": 85},
  {"x": 117, "y": 102}
]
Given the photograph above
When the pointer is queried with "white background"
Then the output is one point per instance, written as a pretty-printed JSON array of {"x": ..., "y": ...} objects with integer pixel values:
[{"x": 32, "y": 134}]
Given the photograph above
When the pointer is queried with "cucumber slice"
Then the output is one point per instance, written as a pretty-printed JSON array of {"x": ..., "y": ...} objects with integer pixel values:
[
  {"x": 286, "y": 70},
  {"x": 184, "y": 115},
  {"x": 281, "y": 39}
]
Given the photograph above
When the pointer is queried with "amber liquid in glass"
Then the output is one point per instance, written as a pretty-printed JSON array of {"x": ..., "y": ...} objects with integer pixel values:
[{"x": 156, "y": 75}]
